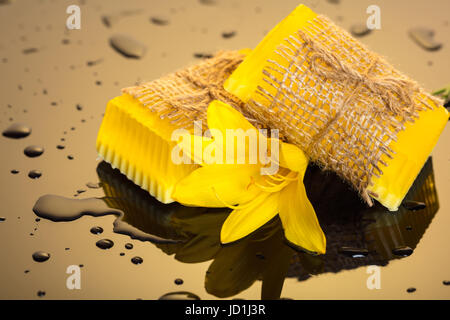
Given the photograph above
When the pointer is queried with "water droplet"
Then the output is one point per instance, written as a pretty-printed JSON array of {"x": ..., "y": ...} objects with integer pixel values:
[
  {"x": 79, "y": 107},
  {"x": 127, "y": 46},
  {"x": 228, "y": 34},
  {"x": 202, "y": 55},
  {"x": 96, "y": 230},
  {"x": 70, "y": 157},
  {"x": 413, "y": 205},
  {"x": 354, "y": 252},
  {"x": 180, "y": 295},
  {"x": 33, "y": 151},
  {"x": 17, "y": 131},
  {"x": 159, "y": 21},
  {"x": 41, "y": 293},
  {"x": 409, "y": 228},
  {"x": 26, "y": 271},
  {"x": 14, "y": 171},
  {"x": 41, "y": 256},
  {"x": 104, "y": 244},
  {"x": 93, "y": 185},
  {"x": 2, "y": 219},
  {"x": 92, "y": 63},
  {"x": 259, "y": 255},
  {"x": 30, "y": 50},
  {"x": 208, "y": 2},
  {"x": 446, "y": 283},
  {"x": 60, "y": 146},
  {"x": 179, "y": 281},
  {"x": 424, "y": 37},
  {"x": 108, "y": 21},
  {"x": 359, "y": 29},
  {"x": 411, "y": 290},
  {"x": 122, "y": 254},
  {"x": 37, "y": 219},
  {"x": 402, "y": 251},
  {"x": 137, "y": 260},
  {"x": 129, "y": 246},
  {"x": 34, "y": 174},
  {"x": 81, "y": 191}
]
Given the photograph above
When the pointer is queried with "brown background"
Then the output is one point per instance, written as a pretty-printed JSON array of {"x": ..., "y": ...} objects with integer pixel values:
[{"x": 61, "y": 70}]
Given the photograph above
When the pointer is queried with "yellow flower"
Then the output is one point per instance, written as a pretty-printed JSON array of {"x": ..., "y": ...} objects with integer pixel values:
[{"x": 255, "y": 198}]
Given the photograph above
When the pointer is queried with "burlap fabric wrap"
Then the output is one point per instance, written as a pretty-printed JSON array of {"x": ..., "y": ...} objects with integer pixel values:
[
  {"x": 184, "y": 96},
  {"x": 339, "y": 102}
]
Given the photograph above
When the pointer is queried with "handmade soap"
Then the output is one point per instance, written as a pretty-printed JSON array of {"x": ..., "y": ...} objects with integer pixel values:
[{"x": 345, "y": 106}]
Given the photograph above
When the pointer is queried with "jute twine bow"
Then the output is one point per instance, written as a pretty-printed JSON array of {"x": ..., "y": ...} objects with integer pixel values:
[
  {"x": 210, "y": 87},
  {"x": 397, "y": 93}
]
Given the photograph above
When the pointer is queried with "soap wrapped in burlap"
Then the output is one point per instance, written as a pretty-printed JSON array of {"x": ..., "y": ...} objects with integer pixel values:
[{"x": 339, "y": 102}]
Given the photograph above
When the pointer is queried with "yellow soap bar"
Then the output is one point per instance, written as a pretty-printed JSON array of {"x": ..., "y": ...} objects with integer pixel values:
[
  {"x": 413, "y": 147},
  {"x": 137, "y": 142},
  {"x": 244, "y": 80},
  {"x": 302, "y": 110}
]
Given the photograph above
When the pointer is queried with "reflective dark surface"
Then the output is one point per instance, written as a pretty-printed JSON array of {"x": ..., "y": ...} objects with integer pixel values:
[
  {"x": 57, "y": 82},
  {"x": 356, "y": 236}
]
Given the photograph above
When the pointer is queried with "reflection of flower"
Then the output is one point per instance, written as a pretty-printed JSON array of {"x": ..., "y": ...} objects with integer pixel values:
[
  {"x": 254, "y": 198},
  {"x": 262, "y": 256}
]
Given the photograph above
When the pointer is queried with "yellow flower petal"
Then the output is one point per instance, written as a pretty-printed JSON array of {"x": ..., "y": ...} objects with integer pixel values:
[
  {"x": 242, "y": 222},
  {"x": 217, "y": 185},
  {"x": 238, "y": 139},
  {"x": 299, "y": 220},
  {"x": 221, "y": 116},
  {"x": 293, "y": 158},
  {"x": 194, "y": 147}
]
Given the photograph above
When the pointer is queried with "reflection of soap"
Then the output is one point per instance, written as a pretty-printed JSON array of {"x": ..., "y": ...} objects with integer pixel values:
[
  {"x": 375, "y": 232},
  {"x": 333, "y": 98},
  {"x": 135, "y": 135}
]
